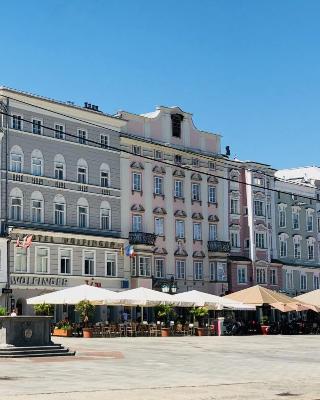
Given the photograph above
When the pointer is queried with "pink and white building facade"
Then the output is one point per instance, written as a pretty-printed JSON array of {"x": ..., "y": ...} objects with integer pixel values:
[
  {"x": 252, "y": 227},
  {"x": 174, "y": 207}
]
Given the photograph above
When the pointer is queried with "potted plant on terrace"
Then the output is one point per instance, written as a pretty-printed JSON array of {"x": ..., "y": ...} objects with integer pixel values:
[
  {"x": 165, "y": 313},
  {"x": 43, "y": 309},
  {"x": 62, "y": 328},
  {"x": 3, "y": 312},
  {"x": 264, "y": 323},
  {"x": 86, "y": 311},
  {"x": 199, "y": 313}
]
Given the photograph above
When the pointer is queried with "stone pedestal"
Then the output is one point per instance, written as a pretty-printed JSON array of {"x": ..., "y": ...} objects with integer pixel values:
[{"x": 25, "y": 331}]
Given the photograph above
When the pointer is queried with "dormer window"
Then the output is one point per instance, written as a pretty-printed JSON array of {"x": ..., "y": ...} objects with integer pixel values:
[
  {"x": 176, "y": 120},
  {"x": 178, "y": 159},
  {"x": 136, "y": 150}
]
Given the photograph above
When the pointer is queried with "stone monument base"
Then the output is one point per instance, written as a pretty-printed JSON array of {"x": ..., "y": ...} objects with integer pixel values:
[{"x": 28, "y": 336}]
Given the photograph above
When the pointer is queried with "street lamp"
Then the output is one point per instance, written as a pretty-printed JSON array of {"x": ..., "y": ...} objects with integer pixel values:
[{"x": 169, "y": 287}]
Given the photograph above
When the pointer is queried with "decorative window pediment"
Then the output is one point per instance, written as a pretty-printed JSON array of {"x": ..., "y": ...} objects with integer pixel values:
[
  {"x": 197, "y": 215},
  {"x": 260, "y": 227},
  {"x": 213, "y": 218},
  {"x": 160, "y": 250},
  {"x": 136, "y": 165},
  {"x": 159, "y": 169},
  {"x": 196, "y": 177},
  {"x": 137, "y": 207},
  {"x": 213, "y": 179},
  {"x": 181, "y": 252},
  {"x": 198, "y": 254},
  {"x": 178, "y": 173},
  {"x": 159, "y": 211},
  {"x": 180, "y": 213},
  {"x": 234, "y": 226}
]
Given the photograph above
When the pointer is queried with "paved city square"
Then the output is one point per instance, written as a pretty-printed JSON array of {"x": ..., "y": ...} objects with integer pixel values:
[{"x": 254, "y": 367}]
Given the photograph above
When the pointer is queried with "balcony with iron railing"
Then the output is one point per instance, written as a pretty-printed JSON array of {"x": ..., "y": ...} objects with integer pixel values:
[
  {"x": 219, "y": 246},
  {"x": 143, "y": 238}
]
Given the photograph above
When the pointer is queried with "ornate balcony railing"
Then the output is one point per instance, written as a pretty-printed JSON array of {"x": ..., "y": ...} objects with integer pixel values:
[
  {"x": 219, "y": 246},
  {"x": 142, "y": 238}
]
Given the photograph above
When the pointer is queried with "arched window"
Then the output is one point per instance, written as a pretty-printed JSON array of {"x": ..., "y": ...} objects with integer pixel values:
[
  {"x": 36, "y": 163},
  {"x": 59, "y": 209},
  {"x": 16, "y": 204},
  {"x": 105, "y": 216},
  {"x": 83, "y": 213},
  {"x": 16, "y": 159},
  {"x": 59, "y": 167},
  {"x": 105, "y": 175},
  {"x": 82, "y": 171},
  {"x": 37, "y": 213}
]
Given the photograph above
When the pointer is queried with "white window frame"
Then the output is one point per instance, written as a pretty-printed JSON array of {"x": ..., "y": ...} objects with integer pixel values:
[
  {"x": 260, "y": 240},
  {"x": 234, "y": 206},
  {"x": 261, "y": 275},
  {"x": 294, "y": 225},
  {"x": 115, "y": 266},
  {"x": 195, "y": 192},
  {"x": 136, "y": 181},
  {"x": 104, "y": 141},
  {"x": 35, "y": 166},
  {"x": 82, "y": 176},
  {"x": 178, "y": 188},
  {"x": 37, "y": 248},
  {"x": 36, "y": 210},
  {"x": 316, "y": 281},
  {"x": 273, "y": 277},
  {"x": 158, "y": 155},
  {"x": 15, "y": 207},
  {"x": 60, "y": 250},
  {"x": 84, "y": 252},
  {"x": 135, "y": 217},
  {"x": 311, "y": 253},
  {"x": 180, "y": 272},
  {"x": 198, "y": 270},
  {"x": 159, "y": 226},
  {"x": 309, "y": 218},
  {"x": 282, "y": 218},
  {"x": 35, "y": 122},
  {"x": 242, "y": 274},
  {"x": 180, "y": 223},
  {"x": 235, "y": 239},
  {"x": 283, "y": 244},
  {"x": 19, "y": 118},
  {"x": 58, "y": 133},
  {"x": 15, "y": 163},
  {"x": 212, "y": 232},
  {"x": 158, "y": 185},
  {"x": 103, "y": 210},
  {"x": 289, "y": 280},
  {"x": 303, "y": 281},
  {"x": 63, "y": 213},
  {"x": 79, "y": 216},
  {"x": 259, "y": 208},
  {"x": 82, "y": 136},
  {"x": 197, "y": 230},
  {"x": 145, "y": 269},
  {"x": 212, "y": 194},
  {"x": 162, "y": 268},
  {"x": 16, "y": 255}
]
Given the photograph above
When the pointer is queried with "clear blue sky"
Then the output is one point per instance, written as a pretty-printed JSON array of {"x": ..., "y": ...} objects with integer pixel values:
[{"x": 247, "y": 69}]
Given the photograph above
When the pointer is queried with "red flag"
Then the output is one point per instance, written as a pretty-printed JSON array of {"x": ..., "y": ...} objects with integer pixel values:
[{"x": 27, "y": 241}]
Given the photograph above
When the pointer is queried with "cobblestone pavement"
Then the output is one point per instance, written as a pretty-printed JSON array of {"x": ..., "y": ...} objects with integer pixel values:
[{"x": 204, "y": 368}]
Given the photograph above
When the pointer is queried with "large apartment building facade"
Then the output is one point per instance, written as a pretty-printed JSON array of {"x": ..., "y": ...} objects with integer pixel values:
[
  {"x": 298, "y": 226},
  {"x": 60, "y": 183},
  {"x": 174, "y": 202}
]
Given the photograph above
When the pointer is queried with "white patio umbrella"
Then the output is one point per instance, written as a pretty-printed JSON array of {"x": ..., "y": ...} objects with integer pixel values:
[
  {"x": 74, "y": 295},
  {"x": 144, "y": 297},
  {"x": 212, "y": 302}
]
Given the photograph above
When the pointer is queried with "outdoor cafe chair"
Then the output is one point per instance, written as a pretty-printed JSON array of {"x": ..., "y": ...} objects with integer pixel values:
[
  {"x": 131, "y": 330},
  {"x": 180, "y": 330}
]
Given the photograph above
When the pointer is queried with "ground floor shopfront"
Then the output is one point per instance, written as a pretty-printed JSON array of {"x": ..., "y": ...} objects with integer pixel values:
[{"x": 56, "y": 261}]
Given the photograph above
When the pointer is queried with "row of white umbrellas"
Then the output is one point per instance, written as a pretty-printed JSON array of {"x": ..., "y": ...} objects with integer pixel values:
[{"x": 138, "y": 297}]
